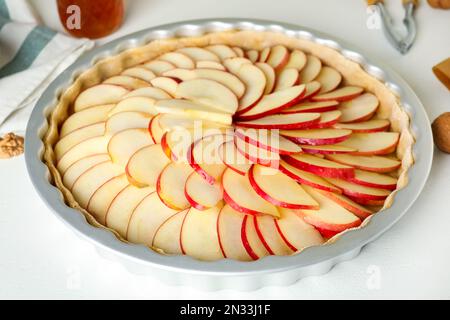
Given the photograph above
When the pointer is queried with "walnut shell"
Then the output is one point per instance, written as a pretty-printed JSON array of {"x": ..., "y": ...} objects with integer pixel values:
[{"x": 441, "y": 132}]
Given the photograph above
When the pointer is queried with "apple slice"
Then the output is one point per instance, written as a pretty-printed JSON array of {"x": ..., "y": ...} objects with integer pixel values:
[
  {"x": 372, "y": 143},
  {"x": 329, "y": 79},
  {"x": 125, "y": 143},
  {"x": 369, "y": 163},
  {"x": 76, "y": 136},
  {"x": 279, "y": 189},
  {"x": 126, "y": 120},
  {"x": 307, "y": 178},
  {"x": 331, "y": 216},
  {"x": 146, "y": 218},
  {"x": 270, "y": 75},
  {"x": 311, "y": 69},
  {"x": 256, "y": 154},
  {"x": 348, "y": 204},
  {"x": 359, "y": 191},
  {"x": 222, "y": 51},
  {"x": 320, "y": 167},
  {"x": 328, "y": 119},
  {"x": 323, "y": 106},
  {"x": 158, "y": 67},
  {"x": 233, "y": 159},
  {"x": 239, "y": 52},
  {"x": 145, "y": 166},
  {"x": 99, "y": 95},
  {"x": 102, "y": 197},
  {"x": 229, "y": 229},
  {"x": 199, "y": 54},
  {"x": 278, "y": 57},
  {"x": 268, "y": 139},
  {"x": 252, "y": 55},
  {"x": 234, "y": 64},
  {"x": 192, "y": 110},
  {"x": 326, "y": 149},
  {"x": 264, "y": 55},
  {"x": 210, "y": 65},
  {"x": 366, "y": 126},
  {"x": 200, "y": 194},
  {"x": 121, "y": 209},
  {"x": 139, "y": 73},
  {"x": 227, "y": 79},
  {"x": 288, "y": 77},
  {"x": 75, "y": 170},
  {"x": 359, "y": 109},
  {"x": 267, "y": 232},
  {"x": 239, "y": 194},
  {"x": 85, "y": 118},
  {"x": 90, "y": 180},
  {"x": 199, "y": 237},
  {"x": 179, "y": 60},
  {"x": 127, "y": 82},
  {"x": 210, "y": 93},
  {"x": 167, "y": 84},
  {"x": 274, "y": 102},
  {"x": 340, "y": 94},
  {"x": 88, "y": 147},
  {"x": 316, "y": 136},
  {"x": 250, "y": 239},
  {"x": 204, "y": 158},
  {"x": 312, "y": 88},
  {"x": 139, "y": 104},
  {"x": 176, "y": 144},
  {"x": 255, "y": 83},
  {"x": 297, "y": 60},
  {"x": 170, "y": 185},
  {"x": 155, "y": 129},
  {"x": 296, "y": 233},
  {"x": 148, "y": 92},
  {"x": 374, "y": 180},
  {"x": 368, "y": 202},
  {"x": 167, "y": 237}
]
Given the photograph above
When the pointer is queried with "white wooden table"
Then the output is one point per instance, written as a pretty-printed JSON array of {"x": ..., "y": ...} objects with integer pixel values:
[{"x": 41, "y": 258}]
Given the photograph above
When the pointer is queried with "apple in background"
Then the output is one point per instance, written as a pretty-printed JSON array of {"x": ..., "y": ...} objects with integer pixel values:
[
  {"x": 320, "y": 167},
  {"x": 252, "y": 55},
  {"x": 99, "y": 95},
  {"x": 279, "y": 189},
  {"x": 264, "y": 54},
  {"x": 229, "y": 229},
  {"x": 239, "y": 194}
]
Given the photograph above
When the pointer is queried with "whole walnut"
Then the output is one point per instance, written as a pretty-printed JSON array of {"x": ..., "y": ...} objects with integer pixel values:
[
  {"x": 439, "y": 4},
  {"x": 441, "y": 132}
]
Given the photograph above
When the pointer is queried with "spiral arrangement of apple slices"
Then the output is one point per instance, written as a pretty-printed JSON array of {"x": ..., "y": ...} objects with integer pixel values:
[{"x": 221, "y": 152}]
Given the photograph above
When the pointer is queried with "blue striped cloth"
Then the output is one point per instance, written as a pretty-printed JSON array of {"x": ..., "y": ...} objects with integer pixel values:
[{"x": 31, "y": 56}]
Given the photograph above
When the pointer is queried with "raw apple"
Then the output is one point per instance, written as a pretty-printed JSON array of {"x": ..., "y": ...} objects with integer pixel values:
[
  {"x": 326, "y": 149},
  {"x": 167, "y": 84},
  {"x": 374, "y": 180},
  {"x": 222, "y": 51},
  {"x": 210, "y": 65},
  {"x": 316, "y": 137},
  {"x": 283, "y": 121},
  {"x": 158, "y": 67},
  {"x": 348, "y": 204},
  {"x": 141, "y": 73},
  {"x": 201, "y": 194},
  {"x": 270, "y": 75},
  {"x": 127, "y": 82},
  {"x": 255, "y": 84},
  {"x": 199, "y": 54},
  {"x": 256, "y": 154},
  {"x": 266, "y": 229},
  {"x": 233, "y": 159},
  {"x": 369, "y": 163},
  {"x": 329, "y": 79},
  {"x": 328, "y": 119},
  {"x": 359, "y": 109},
  {"x": 359, "y": 191},
  {"x": 139, "y": 104},
  {"x": 85, "y": 118},
  {"x": 171, "y": 183},
  {"x": 250, "y": 239},
  {"x": 268, "y": 139},
  {"x": 100, "y": 94},
  {"x": 75, "y": 170},
  {"x": 323, "y": 106},
  {"x": 311, "y": 69},
  {"x": 288, "y": 77},
  {"x": 278, "y": 57},
  {"x": 125, "y": 143},
  {"x": 366, "y": 126},
  {"x": 297, "y": 60},
  {"x": 148, "y": 92},
  {"x": 375, "y": 143},
  {"x": 126, "y": 120},
  {"x": 340, "y": 94},
  {"x": 167, "y": 237},
  {"x": 178, "y": 59}
]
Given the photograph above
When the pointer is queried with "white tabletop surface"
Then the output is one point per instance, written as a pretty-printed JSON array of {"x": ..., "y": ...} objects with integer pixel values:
[{"x": 41, "y": 258}]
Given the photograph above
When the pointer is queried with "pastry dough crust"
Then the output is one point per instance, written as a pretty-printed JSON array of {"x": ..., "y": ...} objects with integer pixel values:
[{"x": 353, "y": 74}]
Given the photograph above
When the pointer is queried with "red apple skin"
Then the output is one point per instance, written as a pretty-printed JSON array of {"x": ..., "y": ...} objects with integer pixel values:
[
  {"x": 247, "y": 247},
  {"x": 379, "y": 170},
  {"x": 284, "y": 238},
  {"x": 149, "y": 128},
  {"x": 166, "y": 148},
  {"x": 260, "y": 145},
  {"x": 241, "y": 117},
  {"x": 327, "y": 233},
  {"x": 249, "y": 106},
  {"x": 192, "y": 202},
  {"x": 316, "y": 151},
  {"x": 210, "y": 179},
  {"x": 275, "y": 202},
  {"x": 158, "y": 192},
  {"x": 236, "y": 206},
  {"x": 311, "y": 94},
  {"x": 288, "y": 126},
  {"x": 309, "y": 183},
  {"x": 261, "y": 237},
  {"x": 318, "y": 142},
  {"x": 355, "y": 210},
  {"x": 242, "y": 173},
  {"x": 327, "y": 226},
  {"x": 367, "y": 202},
  {"x": 363, "y": 118},
  {"x": 268, "y": 163},
  {"x": 380, "y": 129},
  {"x": 326, "y": 124},
  {"x": 318, "y": 109},
  {"x": 343, "y": 173},
  {"x": 340, "y": 99},
  {"x": 363, "y": 196},
  {"x": 387, "y": 150}
]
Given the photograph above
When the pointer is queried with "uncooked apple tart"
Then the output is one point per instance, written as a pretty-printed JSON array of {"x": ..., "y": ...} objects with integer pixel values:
[{"x": 230, "y": 145}]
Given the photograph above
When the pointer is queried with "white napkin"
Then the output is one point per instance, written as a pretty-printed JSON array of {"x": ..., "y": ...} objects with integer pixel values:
[{"x": 31, "y": 56}]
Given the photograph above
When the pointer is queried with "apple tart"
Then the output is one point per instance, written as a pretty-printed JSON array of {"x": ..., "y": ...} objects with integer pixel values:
[{"x": 230, "y": 145}]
